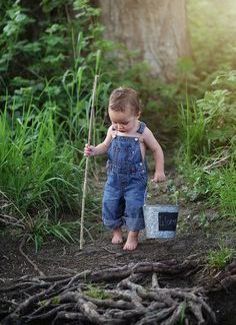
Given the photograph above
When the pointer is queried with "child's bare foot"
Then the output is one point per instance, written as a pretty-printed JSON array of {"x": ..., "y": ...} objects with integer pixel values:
[
  {"x": 132, "y": 241},
  {"x": 117, "y": 236}
]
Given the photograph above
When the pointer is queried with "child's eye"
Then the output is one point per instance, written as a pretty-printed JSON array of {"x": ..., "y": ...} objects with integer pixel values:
[{"x": 123, "y": 123}]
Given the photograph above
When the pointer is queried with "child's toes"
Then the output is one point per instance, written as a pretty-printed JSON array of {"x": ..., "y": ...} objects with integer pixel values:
[
  {"x": 130, "y": 246},
  {"x": 117, "y": 240}
]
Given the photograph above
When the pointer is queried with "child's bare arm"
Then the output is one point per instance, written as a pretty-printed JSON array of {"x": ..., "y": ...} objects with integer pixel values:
[
  {"x": 101, "y": 148},
  {"x": 153, "y": 145}
]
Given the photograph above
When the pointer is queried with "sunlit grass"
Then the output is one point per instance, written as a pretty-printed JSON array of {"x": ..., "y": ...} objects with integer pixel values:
[
  {"x": 223, "y": 188},
  {"x": 35, "y": 172}
]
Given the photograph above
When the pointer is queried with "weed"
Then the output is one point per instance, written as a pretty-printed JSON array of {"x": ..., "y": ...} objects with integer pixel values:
[
  {"x": 40, "y": 228},
  {"x": 182, "y": 316},
  {"x": 218, "y": 259},
  {"x": 35, "y": 173},
  {"x": 223, "y": 189},
  {"x": 203, "y": 220},
  {"x": 206, "y": 156},
  {"x": 193, "y": 131},
  {"x": 96, "y": 292}
]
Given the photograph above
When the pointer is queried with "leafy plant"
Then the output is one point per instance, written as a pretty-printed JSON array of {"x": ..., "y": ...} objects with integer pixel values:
[
  {"x": 50, "y": 53},
  {"x": 207, "y": 152},
  {"x": 207, "y": 123}
]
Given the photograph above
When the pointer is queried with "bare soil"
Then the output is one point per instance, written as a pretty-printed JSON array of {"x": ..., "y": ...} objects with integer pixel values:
[{"x": 192, "y": 241}]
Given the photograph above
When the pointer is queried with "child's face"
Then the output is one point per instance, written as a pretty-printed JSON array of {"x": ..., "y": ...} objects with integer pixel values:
[{"x": 123, "y": 121}]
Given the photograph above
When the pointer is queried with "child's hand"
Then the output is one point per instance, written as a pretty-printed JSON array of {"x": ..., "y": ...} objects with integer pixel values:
[
  {"x": 159, "y": 177},
  {"x": 89, "y": 150}
]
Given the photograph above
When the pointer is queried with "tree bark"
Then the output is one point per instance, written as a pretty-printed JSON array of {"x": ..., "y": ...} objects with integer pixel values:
[{"x": 156, "y": 28}]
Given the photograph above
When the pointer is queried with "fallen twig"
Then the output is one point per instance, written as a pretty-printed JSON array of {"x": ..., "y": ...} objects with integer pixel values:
[{"x": 109, "y": 296}]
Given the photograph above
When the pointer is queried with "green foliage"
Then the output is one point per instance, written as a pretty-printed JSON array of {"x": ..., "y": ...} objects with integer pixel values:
[
  {"x": 182, "y": 317},
  {"x": 209, "y": 123},
  {"x": 218, "y": 259},
  {"x": 35, "y": 172},
  {"x": 193, "y": 131},
  {"x": 40, "y": 228},
  {"x": 222, "y": 185},
  {"x": 197, "y": 185},
  {"x": 50, "y": 53},
  {"x": 207, "y": 151},
  {"x": 96, "y": 292}
]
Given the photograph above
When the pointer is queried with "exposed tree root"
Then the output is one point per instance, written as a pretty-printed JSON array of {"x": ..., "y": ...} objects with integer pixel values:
[
  {"x": 130, "y": 294},
  {"x": 226, "y": 278}
]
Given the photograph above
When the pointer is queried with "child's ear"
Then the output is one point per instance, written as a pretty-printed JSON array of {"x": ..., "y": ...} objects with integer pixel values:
[{"x": 138, "y": 115}]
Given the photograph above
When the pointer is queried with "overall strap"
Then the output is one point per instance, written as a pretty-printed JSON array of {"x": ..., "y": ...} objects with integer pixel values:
[{"x": 141, "y": 128}]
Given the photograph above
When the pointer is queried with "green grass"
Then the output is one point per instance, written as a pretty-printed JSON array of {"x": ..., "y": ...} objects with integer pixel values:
[
  {"x": 47, "y": 98},
  {"x": 206, "y": 157},
  {"x": 41, "y": 169},
  {"x": 223, "y": 188},
  {"x": 37, "y": 173},
  {"x": 40, "y": 228},
  {"x": 193, "y": 131},
  {"x": 218, "y": 259}
]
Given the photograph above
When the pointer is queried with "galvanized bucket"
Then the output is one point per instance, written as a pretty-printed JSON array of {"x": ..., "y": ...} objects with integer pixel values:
[{"x": 160, "y": 220}]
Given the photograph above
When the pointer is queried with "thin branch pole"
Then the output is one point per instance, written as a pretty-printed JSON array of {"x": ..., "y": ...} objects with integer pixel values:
[{"x": 86, "y": 165}]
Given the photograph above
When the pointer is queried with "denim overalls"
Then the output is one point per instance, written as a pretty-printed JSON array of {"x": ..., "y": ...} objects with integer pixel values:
[{"x": 125, "y": 189}]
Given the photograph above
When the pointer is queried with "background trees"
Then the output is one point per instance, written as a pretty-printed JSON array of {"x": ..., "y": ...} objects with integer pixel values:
[
  {"x": 49, "y": 54},
  {"x": 155, "y": 29}
]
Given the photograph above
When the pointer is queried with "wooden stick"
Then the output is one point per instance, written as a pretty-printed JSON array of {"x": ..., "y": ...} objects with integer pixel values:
[{"x": 86, "y": 165}]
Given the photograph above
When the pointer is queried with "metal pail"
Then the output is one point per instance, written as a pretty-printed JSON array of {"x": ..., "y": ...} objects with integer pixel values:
[{"x": 160, "y": 220}]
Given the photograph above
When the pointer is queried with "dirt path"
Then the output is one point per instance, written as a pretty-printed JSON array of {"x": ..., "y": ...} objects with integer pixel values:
[{"x": 192, "y": 240}]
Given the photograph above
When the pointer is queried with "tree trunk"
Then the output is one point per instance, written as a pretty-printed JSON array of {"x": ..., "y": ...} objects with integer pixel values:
[{"x": 156, "y": 28}]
